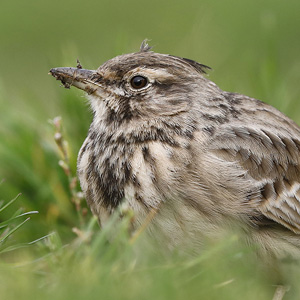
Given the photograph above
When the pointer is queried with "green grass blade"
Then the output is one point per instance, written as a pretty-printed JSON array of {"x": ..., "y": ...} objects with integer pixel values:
[
  {"x": 13, "y": 230},
  {"x": 9, "y": 203},
  {"x": 25, "y": 245},
  {"x": 11, "y": 220}
]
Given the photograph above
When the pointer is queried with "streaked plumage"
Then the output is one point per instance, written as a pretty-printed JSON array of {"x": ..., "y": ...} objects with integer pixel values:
[{"x": 205, "y": 159}]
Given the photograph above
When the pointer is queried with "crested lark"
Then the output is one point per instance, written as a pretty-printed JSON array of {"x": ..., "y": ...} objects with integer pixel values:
[{"x": 165, "y": 138}]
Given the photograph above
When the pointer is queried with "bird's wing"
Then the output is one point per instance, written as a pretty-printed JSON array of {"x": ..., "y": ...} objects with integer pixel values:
[{"x": 268, "y": 149}]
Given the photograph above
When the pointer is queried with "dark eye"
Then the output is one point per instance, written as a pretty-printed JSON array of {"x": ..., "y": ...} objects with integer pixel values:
[{"x": 138, "y": 82}]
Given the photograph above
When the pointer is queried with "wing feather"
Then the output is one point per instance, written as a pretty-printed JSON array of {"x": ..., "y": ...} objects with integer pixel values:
[{"x": 271, "y": 158}]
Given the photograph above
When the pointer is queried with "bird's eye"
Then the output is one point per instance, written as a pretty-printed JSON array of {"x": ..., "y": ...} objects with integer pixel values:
[{"x": 138, "y": 82}]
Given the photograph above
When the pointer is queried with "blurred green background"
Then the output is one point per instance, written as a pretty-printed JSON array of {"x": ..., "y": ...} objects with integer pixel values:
[{"x": 253, "y": 48}]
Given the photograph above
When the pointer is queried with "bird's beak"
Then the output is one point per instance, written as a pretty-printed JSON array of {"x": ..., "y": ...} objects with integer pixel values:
[{"x": 80, "y": 78}]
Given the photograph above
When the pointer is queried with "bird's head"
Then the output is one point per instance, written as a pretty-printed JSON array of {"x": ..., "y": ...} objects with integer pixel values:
[{"x": 140, "y": 87}]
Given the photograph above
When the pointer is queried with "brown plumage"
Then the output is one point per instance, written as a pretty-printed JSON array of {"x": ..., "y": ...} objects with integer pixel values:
[{"x": 166, "y": 138}]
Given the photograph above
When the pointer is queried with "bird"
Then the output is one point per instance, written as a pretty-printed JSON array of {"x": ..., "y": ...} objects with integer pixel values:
[{"x": 167, "y": 142}]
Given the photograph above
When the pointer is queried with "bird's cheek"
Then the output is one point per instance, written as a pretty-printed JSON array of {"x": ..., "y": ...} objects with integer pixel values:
[{"x": 168, "y": 108}]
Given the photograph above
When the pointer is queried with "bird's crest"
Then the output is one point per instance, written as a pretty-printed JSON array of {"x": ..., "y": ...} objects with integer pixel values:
[
  {"x": 197, "y": 66},
  {"x": 145, "y": 46}
]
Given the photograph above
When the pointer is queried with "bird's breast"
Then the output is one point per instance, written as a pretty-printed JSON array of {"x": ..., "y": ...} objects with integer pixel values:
[{"x": 144, "y": 175}]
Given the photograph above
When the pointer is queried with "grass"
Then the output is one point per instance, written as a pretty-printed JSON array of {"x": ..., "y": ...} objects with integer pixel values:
[
  {"x": 94, "y": 265},
  {"x": 60, "y": 252}
]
